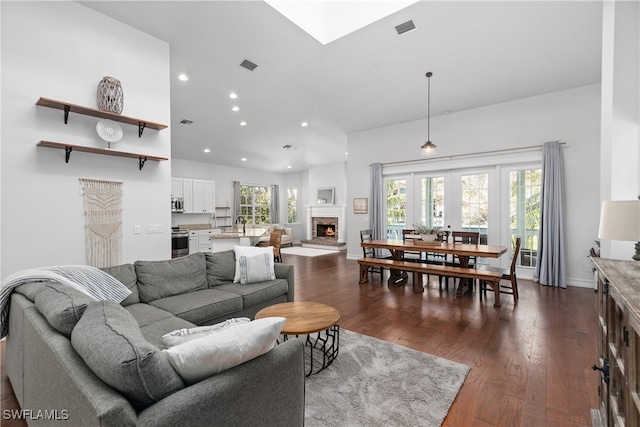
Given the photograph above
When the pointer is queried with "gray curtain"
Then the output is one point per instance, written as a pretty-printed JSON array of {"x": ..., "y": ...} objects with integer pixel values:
[
  {"x": 275, "y": 204},
  {"x": 550, "y": 268},
  {"x": 378, "y": 217},
  {"x": 236, "y": 200}
]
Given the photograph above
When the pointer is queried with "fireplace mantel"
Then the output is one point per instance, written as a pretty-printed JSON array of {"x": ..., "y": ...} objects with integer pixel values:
[{"x": 329, "y": 211}]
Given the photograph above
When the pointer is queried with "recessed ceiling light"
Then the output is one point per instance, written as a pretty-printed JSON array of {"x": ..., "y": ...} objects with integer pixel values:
[
  {"x": 289, "y": 167},
  {"x": 233, "y": 95},
  {"x": 235, "y": 108},
  {"x": 304, "y": 124},
  {"x": 183, "y": 77},
  {"x": 346, "y": 153},
  {"x": 244, "y": 159},
  {"x": 243, "y": 123},
  {"x": 206, "y": 150}
]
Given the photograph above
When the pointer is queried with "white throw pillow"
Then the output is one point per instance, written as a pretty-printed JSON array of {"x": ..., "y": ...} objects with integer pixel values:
[
  {"x": 203, "y": 357},
  {"x": 180, "y": 336},
  {"x": 248, "y": 251},
  {"x": 256, "y": 268}
]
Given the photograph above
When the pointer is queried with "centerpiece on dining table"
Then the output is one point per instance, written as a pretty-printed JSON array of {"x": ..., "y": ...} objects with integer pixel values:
[{"x": 428, "y": 235}]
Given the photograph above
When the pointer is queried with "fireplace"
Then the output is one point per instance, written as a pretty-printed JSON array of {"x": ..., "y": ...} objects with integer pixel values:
[{"x": 325, "y": 226}]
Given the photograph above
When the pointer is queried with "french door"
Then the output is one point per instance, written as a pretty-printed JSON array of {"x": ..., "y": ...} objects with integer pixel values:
[{"x": 461, "y": 200}]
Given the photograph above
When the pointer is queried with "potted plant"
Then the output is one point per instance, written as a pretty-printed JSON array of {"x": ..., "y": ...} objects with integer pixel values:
[{"x": 428, "y": 234}]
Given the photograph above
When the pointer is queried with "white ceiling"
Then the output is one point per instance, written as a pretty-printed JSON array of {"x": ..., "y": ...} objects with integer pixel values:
[{"x": 480, "y": 53}]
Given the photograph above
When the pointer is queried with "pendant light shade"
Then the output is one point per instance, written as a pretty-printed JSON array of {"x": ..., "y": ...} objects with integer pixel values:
[{"x": 428, "y": 149}]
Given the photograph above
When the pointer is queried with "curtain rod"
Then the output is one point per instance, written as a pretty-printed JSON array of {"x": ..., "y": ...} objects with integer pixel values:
[{"x": 465, "y": 155}]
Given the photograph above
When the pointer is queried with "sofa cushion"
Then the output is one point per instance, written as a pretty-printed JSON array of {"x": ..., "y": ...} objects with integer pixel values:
[
  {"x": 125, "y": 274},
  {"x": 200, "y": 358},
  {"x": 61, "y": 305},
  {"x": 160, "y": 279},
  {"x": 146, "y": 314},
  {"x": 221, "y": 267},
  {"x": 30, "y": 290},
  {"x": 257, "y": 293},
  {"x": 181, "y": 336},
  {"x": 109, "y": 340},
  {"x": 256, "y": 268},
  {"x": 200, "y": 307}
]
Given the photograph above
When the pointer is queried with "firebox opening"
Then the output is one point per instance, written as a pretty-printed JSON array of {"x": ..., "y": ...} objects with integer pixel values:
[{"x": 326, "y": 230}]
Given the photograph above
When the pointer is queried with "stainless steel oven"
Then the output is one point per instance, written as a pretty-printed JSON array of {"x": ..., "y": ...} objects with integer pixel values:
[{"x": 179, "y": 243}]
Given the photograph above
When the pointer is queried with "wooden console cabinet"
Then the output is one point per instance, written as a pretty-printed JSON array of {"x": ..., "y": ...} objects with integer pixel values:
[{"x": 619, "y": 342}]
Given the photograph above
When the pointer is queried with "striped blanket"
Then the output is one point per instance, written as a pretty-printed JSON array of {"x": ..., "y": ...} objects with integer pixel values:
[{"x": 89, "y": 280}]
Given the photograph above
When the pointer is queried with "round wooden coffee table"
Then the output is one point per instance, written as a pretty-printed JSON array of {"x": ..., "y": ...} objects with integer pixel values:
[{"x": 319, "y": 322}]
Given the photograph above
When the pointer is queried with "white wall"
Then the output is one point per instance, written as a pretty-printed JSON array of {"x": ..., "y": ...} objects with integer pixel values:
[
  {"x": 62, "y": 50},
  {"x": 328, "y": 175},
  {"x": 620, "y": 147},
  {"x": 571, "y": 116}
]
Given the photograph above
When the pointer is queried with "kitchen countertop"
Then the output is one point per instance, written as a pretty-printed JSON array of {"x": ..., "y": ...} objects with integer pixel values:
[{"x": 251, "y": 232}]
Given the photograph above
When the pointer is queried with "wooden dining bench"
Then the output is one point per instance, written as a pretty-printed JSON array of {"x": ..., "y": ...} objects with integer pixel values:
[{"x": 418, "y": 269}]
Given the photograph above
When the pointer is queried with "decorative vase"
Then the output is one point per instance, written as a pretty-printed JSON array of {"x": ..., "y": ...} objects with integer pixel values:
[
  {"x": 428, "y": 237},
  {"x": 110, "y": 95}
]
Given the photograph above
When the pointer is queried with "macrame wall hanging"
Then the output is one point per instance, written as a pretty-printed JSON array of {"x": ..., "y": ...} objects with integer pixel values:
[{"x": 103, "y": 208}]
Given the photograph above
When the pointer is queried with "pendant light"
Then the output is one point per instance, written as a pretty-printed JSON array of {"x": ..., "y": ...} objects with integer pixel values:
[{"x": 428, "y": 148}]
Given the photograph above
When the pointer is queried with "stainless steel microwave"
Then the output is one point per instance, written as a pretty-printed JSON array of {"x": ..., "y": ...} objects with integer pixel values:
[{"x": 177, "y": 204}]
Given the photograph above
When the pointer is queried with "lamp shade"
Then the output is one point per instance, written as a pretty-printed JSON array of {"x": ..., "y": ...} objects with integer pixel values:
[{"x": 620, "y": 220}]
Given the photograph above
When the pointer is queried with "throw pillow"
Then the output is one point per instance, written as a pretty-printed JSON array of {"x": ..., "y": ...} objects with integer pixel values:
[
  {"x": 248, "y": 251},
  {"x": 181, "y": 336},
  {"x": 61, "y": 305},
  {"x": 256, "y": 268},
  {"x": 109, "y": 340},
  {"x": 199, "y": 359}
]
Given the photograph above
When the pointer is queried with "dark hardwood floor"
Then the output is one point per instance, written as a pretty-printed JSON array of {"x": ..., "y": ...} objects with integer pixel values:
[{"x": 530, "y": 363}]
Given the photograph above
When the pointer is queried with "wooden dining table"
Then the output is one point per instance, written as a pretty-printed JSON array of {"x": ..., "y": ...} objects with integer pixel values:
[{"x": 463, "y": 251}]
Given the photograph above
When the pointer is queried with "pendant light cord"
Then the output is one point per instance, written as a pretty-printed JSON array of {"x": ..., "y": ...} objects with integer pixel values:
[{"x": 429, "y": 74}]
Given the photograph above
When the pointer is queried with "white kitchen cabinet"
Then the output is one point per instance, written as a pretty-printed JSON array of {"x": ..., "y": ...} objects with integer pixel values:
[
  {"x": 176, "y": 187},
  {"x": 204, "y": 240},
  {"x": 204, "y": 196},
  {"x": 199, "y": 195},
  {"x": 193, "y": 241}
]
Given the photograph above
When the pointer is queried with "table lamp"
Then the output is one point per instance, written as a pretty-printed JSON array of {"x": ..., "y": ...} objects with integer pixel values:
[{"x": 620, "y": 220}]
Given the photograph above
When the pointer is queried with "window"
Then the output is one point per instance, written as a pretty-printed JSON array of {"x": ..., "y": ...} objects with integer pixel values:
[
  {"x": 292, "y": 205},
  {"x": 433, "y": 202},
  {"x": 475, "y": 202},
  {"x": 255, "y": 204},
  {"x": 524, "y": 213},
  {"x": 396, "y": 207}
]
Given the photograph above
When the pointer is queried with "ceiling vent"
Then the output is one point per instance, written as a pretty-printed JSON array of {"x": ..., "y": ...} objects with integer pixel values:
[
  {"x": 186, "y": 122},
  {"x": 248, "y": 65},
  {"x": 407, "y": 26}
]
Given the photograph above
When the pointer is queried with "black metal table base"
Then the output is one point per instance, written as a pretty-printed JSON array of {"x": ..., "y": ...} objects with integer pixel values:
[{"x": 321, "y": 349}]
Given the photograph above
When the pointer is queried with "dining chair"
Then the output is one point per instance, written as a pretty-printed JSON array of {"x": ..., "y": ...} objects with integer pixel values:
[
  {"x": 462, "y": 237},
  {"x": 367, "y": 236},
  {"x": 408, "y": 255},
  {"x": 507, "y": 274},
  {"x": 275, "y": 239}
]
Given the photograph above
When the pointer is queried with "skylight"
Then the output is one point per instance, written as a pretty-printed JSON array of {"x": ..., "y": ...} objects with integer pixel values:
[{"x": 327, "y": 21}]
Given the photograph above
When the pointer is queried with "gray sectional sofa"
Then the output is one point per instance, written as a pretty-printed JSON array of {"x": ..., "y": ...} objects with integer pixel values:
[{"x": 53, "y": 366}]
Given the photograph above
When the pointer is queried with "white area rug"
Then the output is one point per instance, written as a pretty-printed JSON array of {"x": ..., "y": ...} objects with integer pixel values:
[
  {"x": 299, "y": 250},
  {"x": 375, "y": 383}
]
